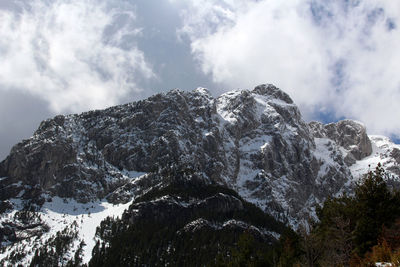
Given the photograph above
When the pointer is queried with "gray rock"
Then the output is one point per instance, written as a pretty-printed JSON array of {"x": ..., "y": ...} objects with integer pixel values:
[
  {"x": 349, "y": 134},
  {"x": 255, "y": 142}
]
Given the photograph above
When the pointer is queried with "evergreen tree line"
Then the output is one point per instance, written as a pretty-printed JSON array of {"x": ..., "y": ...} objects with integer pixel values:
[
  {"x": 351, "y": 230},
  {"x": 149, "y": 240}
]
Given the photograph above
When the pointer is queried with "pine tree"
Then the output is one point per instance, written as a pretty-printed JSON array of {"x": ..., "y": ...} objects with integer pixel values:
[
  {"x": 352, "y": 225},
  {"x": 376, "y": 205}
]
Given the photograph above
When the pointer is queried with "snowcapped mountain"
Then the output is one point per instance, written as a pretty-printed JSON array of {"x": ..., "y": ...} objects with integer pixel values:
[{"x": 78, "y": 169}]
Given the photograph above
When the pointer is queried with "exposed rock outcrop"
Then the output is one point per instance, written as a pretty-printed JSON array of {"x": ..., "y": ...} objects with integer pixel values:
[
  {"x": 350, "y": 135},
  {"x": 253, "y": 146},
  {"x": 255, "y": 142}
]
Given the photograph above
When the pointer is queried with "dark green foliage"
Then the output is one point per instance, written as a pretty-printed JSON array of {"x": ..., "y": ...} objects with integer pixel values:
[
  {"x": 14, "y": 257},
  {"x": 157, "y": 237},
  {"x": 185, "y": 183},
  {"x": 28, "y": 220},
  {"x": 157, "y": 245},
  {"x": 352, "y": 225},
  {"x": 152, "y": 232},
  {"x": 288, "y": 251},
  {"x": 5, "y": 205},
  {"x": 53, "y": 251},
  {"x": 77, "y": 260},
  {"x": 195, "y": 188},
  {"x": 248, "y": 252},
  {"x": 376, "y": 206}
]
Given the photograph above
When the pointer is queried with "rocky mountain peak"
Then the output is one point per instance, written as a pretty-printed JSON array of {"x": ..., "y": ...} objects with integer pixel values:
[
  {"x": 202, "y": 91},
  {"x": 273, "y": 92},
  {"x": 255, "y": 142},
  {"x": 243, "y": 146}
]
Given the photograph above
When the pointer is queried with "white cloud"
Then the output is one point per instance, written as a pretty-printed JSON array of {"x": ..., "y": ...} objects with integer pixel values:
[
  {"x": 74, "y": 54},
  {"x": 338, "y": 57}
]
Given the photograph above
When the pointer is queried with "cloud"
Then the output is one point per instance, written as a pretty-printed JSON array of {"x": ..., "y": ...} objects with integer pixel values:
[
  {"x": 75, "y": 55},
  {"x": 332, "y": 57}
]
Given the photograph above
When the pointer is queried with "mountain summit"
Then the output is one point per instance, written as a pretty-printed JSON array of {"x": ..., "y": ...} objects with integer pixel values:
[{"x": 255, "y": 144}]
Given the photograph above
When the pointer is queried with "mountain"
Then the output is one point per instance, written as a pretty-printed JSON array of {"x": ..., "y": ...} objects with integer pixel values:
[{"x": 177, "y": 155}]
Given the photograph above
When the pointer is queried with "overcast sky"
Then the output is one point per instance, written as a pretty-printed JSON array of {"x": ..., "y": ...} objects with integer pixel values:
[{"x": 337, "y": 59}]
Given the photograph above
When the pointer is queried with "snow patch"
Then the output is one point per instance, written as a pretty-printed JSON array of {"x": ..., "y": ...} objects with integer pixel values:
[
  {"x": 382, "y": 148},
  {"x": 61, "y": 213}
]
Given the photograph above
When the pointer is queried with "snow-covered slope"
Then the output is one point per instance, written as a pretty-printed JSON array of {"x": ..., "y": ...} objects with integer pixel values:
[
  {"x": 385, "y": 152},
  {"x": 75, "y": 221},
  {"x": 27, "y": 229},
  {"x": 252, "y": 141}
]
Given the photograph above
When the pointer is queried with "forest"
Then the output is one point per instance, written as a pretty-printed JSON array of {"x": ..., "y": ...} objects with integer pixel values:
[
  {"x": 361, "y": 229},
  {"x": 358, "y": 229}
]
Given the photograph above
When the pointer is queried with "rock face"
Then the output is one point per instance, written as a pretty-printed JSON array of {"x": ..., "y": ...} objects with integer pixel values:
[
  {"x": 254, "y": 142},
  {"x": 350, "y": 135},
  {"x": 253, "y": 146}
]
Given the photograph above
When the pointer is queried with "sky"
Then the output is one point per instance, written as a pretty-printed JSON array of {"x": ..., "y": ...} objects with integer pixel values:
[{"x": 336, "y": 59}]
